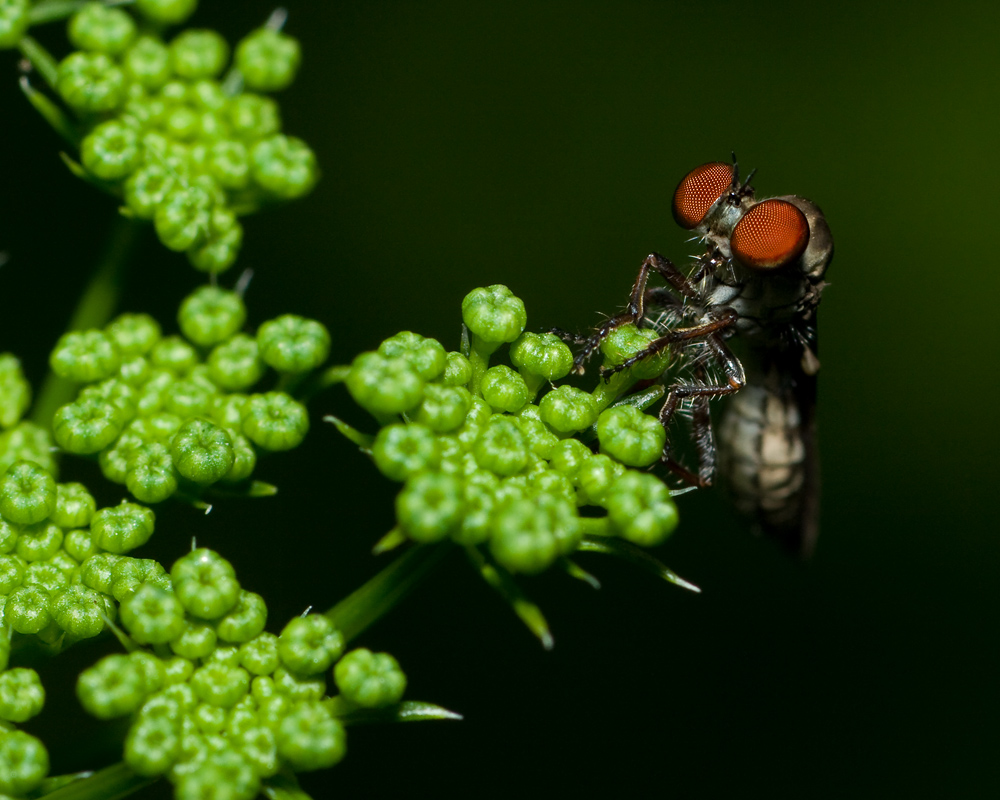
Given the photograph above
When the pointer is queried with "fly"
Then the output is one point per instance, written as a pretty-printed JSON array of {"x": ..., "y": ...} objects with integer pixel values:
[{"x": 744, "y": 318}]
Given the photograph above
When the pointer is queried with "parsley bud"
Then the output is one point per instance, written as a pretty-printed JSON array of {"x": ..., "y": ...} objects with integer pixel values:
[
  {"x": 309, "y": 645},
  {"x": 122, "y": 528},
  {"x": 210, "y": 315},
  {"x": 457, "y": 371},
  {"x": 27, "y": 493},
  {"x": 641, "y": 509},
  {"x": 310, "y": 738},
  {"x": 14, "y": 22},
  {"x": 371, "y": 680},
  {"x": 293, "y": 344},
  {"x": 183, "y": 217},
  {"x": 253, "y": 116},
  {"x": 627, "y": 340},
  {"x": 401, "y": 451},
  {"x": 198, "y": 54},
  {"x": 634, "y": 438},
  {"x": 21, "y": 694},
  {"x": 274, "y": 421},
  {"x": 430, "y": 506},
  {"x": 90, "y": 83},
  {"x": 494, "y": 316},
  {"x": 503, "y": 389},
  {"x": 113, "y": 687},
  {"x": 78, "y": 611},
  {"x": 28, "y": 609},
  {"x": 147, "y": 62},
  {"x": 24, "y": 763},
  {"x": 166, "y": 12},
  {"x": 384, "y": 386},
  {"x": 236, "y": 364},
  {"x": 205, "y": 583},
  {"x": 15, "y": 391},
  {"x": 268, "y": 59},
  {"x": 284, "y": 166},
  {"x": 85, "y": 356},
  {"x": 567, "y": 409},
  {"x": 529, "y": 534},
  {"x": 99, "y": 28},
  {"x": 202, "y": 452},
  {"x": 500, "y": 447}
]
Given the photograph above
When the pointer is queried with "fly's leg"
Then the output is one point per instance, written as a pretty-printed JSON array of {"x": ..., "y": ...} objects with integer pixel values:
[
  {"x": 635, "y": 311},
  {"x": 718, "y": 320},
  {"x": 701, "y": 394}
]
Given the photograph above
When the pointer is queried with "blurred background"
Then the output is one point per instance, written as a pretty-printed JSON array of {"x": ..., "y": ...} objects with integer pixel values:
[{"x": 538, "y": 145}]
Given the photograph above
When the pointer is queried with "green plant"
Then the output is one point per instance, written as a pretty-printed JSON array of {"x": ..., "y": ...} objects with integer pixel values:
[{"x": 494, "y": 460}]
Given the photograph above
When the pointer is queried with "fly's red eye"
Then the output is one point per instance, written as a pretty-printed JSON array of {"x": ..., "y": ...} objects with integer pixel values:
[
  {"x": 771, "y": 234},
  {"x": 698, "y": 191}
]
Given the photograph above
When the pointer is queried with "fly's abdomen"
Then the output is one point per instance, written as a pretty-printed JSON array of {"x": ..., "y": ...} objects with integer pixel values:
[{"x": 767, "y": 462}]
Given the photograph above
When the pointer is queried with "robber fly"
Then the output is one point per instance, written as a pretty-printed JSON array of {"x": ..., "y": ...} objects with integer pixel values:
[{"x": 744, "y": 319}]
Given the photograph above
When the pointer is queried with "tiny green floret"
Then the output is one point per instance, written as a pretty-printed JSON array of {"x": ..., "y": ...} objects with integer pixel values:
[
  {"x": 24, "y": 763},
  {"x": 310, "y": 738},
  {"x": 309, "y": 645},
  {"x": 91, "y": 83},
  {"x": 205, "y": 583},
  {"x": 291, "y": 343},
  {"x": 401, "y": 451},
  {"x": 21, "y": 695},
  {"x": 370, "y": 680},
  {"x": 274, "y": 421},
  {"x": 630, "y": 436},
  {"x": 166, "y": 12},
  {"x": 198, "y": 54},
  {"x": 27, "y": 493},
  {"x": 430, "y": 506},
  {"x": 384, "y": 386},
  {"x": 14, "y": 21},
  {"x": 113, "y": 687},
  {"x": 500, "y": 447},
  {"x": 122, "y": 528},
  {"x": 504, "y": 389},
  {"x": 494, "y": 316},
  {"x": 15, "y": 391},
  {"x": 640, "y": 508},
  {"x": 285, "y": 166},
  {"x": 268, "y": 59},
  {"x": 101, "y": 29},
  {"x": 152, "y": 615},
  {"x": 202, "y": 451},
  {"x": 85, "y": 356},
  {"x": 567, "y": 409},
  {"x": 210, "y": 315}
]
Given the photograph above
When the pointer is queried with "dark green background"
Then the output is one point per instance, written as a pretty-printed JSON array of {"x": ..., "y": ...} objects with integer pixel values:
[{"x": 537, "y": 145}]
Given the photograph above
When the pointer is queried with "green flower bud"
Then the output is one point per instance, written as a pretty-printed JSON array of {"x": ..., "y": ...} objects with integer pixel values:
[
  {"x": 15, "y": 391},
  {"x": 245, "y": 459},
  {"x": 122, "y": 528},
  {"x": 444, "y": 407},
  {"x": 114, "y": 687},
  {"x": 640, "y": 509},
  {"x": 371, "y": 680},
  {"x": 634, "y": 438},
  {"x": 220, "y": 685},
  {"x": 259, "y": 656},
  {"x": 504, "y": 389},
  {"x": 539, "y": 438},
  {"x": 85, "y": 356},
  {"x": 457, "y": 371},
  {"x": 102, "y": 29},
  {"x": 8, "y": 537},
  {"x": 152, "y": 746},
  {"x": 174, "y": 354},
  {"x": 147, "y": 187},
  {"x": 128, "y": 575},
  {"x": 135, "y": 371},
  {"x": 595, "y": 477},
  {"x": 147, "y": 62},
  {"x": 78, "y": 611},
  {"x": 152, "y": 615},
  {"x": 479, "y": 491},
  {"x": 209, "y": 719},
  {"x": 309, "y": 645},
  {"x": 28, "y": 609},
  {"x": 310, "y": 738},
  {"x": 133, "y": 334},
  {"x": 86, "y": 426},
  {"x": 229, "y": 164},
  {"x": 21, "y": 694},
  {"x": 529, "y": 534},
  {"x": 253, "y": 117},
  {"x": 244, "y": 621},
  {"x": 401, "y": 451},
  {"x": 236, "y": 364},
  {"x": 24, "y": 763},
  {"x": 219, "y": 251},
  {"x": 430, "y": 506},
  {"x": 274, "y": 421},
  {"x": 293, "y": 344},
  {"x": 205, "y": 583},
  {"x": 210, "y": 315},
  {"x": 284, "y": 166},
  {"x": 426, "y": 356},
  {"x": 78, "y": 544},
  {"x": 202, "y": 452},
  {"x": 150, "y": 475},
  {"x": 494, "y": 315},
  {"x": 384, "y": 386},
  {"x": 567, "y": 409},
  {"x": 90, "y": 83},
  {"x": 197, "y": 640},
  {"x": 166, "y": 12},
  {"x": 26, "y": 442},
  {"x": 259, "y": 747},
  {"x": 27, "y": 493},
  {"x": 14, "y": 21},
  {"x": 97, "y": 572},
  {"x": 39, "y": 542},
  {"x": 569, "y": 456},
  {"x": 198, "y": 54},
  {"x": 627, "y": 340},
  {"x": 541, "y": 355},
  {"x": 180, "y": 123},
  {"x": 11, "y": 573},
  {"x": 500, "y": 447},
  {"x": 228, "y": 410},
  {"x": 47, "y": 576},
  {"x": 183, "y": 218},
  {"x": 268, "y": 60}
]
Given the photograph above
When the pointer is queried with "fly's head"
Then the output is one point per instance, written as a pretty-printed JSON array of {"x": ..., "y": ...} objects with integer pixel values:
[{"x": 785, "y": 234}]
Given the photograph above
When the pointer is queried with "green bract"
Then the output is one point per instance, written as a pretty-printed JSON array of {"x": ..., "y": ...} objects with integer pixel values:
[
  {"x": 210, "y": 315},
  {"x": 268, "y": 60}
]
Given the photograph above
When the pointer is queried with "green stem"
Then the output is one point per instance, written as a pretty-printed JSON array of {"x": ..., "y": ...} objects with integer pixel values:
[
  {"x": 94, "y": 309},
  {"x": 109, "y": 783},
  {"x": 366, "y": 605},
  {"x": 55, "y": 10}
]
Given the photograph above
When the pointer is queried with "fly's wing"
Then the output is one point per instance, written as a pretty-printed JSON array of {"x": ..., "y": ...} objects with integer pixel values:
[{"x": 768, "y": 460}]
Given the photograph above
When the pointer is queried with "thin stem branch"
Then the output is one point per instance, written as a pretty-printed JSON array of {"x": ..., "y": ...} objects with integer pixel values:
[
  {"x": 96, "y": 306},
  {"x": 110, "y": 783}
]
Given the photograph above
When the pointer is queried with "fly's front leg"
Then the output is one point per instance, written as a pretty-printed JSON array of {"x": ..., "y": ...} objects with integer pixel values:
[
  {"x": 635, "y": 311},
  {"x": 718, "y": 321},
  {"x": 701, "y": 420}
]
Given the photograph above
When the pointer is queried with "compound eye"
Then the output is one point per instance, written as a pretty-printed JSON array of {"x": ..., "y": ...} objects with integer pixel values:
[
  {"x": 770, "y": 235},
  {"x": 698, "y": 191}
]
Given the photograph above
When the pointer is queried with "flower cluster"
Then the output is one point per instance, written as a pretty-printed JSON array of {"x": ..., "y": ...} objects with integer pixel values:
[
  {"x": 492, "y": 456},
  {"x": 216, "y": 703},
  {"x": 19, "y": 439},
  {"x": 169, "y": 413},
  {"x": 162, "y": 128}
]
